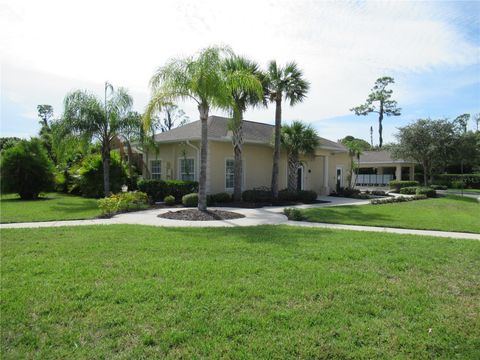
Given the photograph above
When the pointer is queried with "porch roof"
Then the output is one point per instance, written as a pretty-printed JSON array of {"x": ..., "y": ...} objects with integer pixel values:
[{"x": 380, "y": 157}]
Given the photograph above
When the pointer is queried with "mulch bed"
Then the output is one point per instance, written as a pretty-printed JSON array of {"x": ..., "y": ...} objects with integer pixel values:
[{"x": 197, "y": 215}]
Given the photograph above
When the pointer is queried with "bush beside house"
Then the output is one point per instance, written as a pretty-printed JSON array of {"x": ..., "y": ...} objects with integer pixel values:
[
  {"x": 26, "y": 169},
  {"x": 396, "y": 185},
  {"x": 157, "y": 190},
  {"x": 123, "y": 202}
]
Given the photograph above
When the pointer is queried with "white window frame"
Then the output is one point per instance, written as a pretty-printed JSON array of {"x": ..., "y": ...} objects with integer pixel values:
[
  {"x": 227, "y": 189},
  {"x": 225, "y": 174},
  {"x": 156, "y": 173},
  {"x": 193, "y": 171}
]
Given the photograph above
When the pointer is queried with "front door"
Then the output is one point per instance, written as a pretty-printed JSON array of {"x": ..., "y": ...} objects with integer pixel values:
[
  {"x": 339, "y": 178},
  {"x": 300, "y": 178}
]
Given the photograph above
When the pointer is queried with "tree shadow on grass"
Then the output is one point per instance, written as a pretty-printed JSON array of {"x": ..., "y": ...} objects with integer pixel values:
[{"x": 68, "y": 207}]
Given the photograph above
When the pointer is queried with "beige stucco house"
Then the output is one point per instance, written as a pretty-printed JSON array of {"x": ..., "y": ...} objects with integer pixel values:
[
  {"x": 179, "y": 158},
  {"x": 377, "y": 168}
]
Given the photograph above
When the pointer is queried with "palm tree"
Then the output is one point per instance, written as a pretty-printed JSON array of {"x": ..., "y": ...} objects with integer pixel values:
[
  {"x": 283, "y": 83},
  {"x": 297, "y": 139},
  {"x": 85, "y": 116},
  {"x": 242, "y": 96},
  {"x": 355, "y": 149},
  {"x": 199, "y": 78}
]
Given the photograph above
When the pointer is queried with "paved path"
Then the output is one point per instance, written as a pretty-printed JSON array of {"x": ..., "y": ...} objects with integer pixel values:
[{"x": 253, "y": 217}]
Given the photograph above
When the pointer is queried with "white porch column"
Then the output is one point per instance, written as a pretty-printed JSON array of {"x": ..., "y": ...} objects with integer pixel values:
[
  {"x": 326, "y": 189},
  {"x": 398, "y": 172}
]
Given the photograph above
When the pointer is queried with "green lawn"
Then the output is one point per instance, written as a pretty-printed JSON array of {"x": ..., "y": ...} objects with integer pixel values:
[
  {"x": 53, "y": 206},
  {"x": 132, "y": 292},
  {"x": 451, "y": 213}
]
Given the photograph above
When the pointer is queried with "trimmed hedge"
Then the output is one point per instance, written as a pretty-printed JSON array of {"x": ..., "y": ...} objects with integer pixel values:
[
  {"x": 439, "y": 187},
  {"x": 428, "y": 192},
  {"x": 265, "y": 196},
  {"x": 409, "y": 190},
  {"x": 190, "y": 200},
  {"x": 398, "y": 184},
  {"x": 157, "y": 190},
  {"x": 257, "y": 196},
  {"x": 123, "y": 202},
  {"x": 397, "y": 199},
  {"x": 219, "y": 198}
]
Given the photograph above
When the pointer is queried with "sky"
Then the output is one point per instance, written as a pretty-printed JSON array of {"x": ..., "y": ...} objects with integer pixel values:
[{"x": 431, "y": 49}]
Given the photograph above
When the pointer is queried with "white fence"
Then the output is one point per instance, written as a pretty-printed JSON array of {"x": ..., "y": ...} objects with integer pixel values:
[{"x": 373, "y": 179}]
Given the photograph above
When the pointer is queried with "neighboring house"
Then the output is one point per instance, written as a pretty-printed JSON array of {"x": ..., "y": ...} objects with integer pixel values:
[
  {"x": 378, "y": 168},
  {"x": 179, "y": 158}
]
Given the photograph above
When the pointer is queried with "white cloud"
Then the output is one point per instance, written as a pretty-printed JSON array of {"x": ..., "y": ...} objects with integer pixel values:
[{"x": 342, "y": 46}]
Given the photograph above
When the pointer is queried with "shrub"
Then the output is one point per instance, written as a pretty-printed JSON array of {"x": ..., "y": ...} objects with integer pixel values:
[
  {"x": 397, "y": 199},
  {"x": 123, "y": 202},
  {"x": 428, "y": 192},
  {"x": 287, "y": 195},
  {"x": 257, "y": 196},
  {"x": 90, "y": 181},
  {"x": 439, "y": 187},
  {"x": 219, "y": 198},
  {"x": 409, "y": 190},
  {"x": 347, "y": 192},
  {"x": 169, "y": 200},
  {"x": 26, "y": 169},
  {"x": 190, "y": 200},
  {"x": 158, "y": 189},
  {"x": 293, "y": 214},
  {"x": 307, "y": 196},
  {"x": 398, "y": 184},
  {"x": 457, "y": 184}
]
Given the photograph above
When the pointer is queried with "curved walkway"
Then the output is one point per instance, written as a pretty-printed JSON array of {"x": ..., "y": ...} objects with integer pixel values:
[{"x": 253, "y": 217}]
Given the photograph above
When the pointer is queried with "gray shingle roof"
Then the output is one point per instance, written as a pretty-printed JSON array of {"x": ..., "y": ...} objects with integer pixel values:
[
  {"x": 377, "y": 157},
  {"x": 254, "y": 132}
]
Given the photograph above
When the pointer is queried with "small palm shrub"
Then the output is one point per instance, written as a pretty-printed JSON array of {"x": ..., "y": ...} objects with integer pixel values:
[
  {"x": 169, "y": 200},
  {"x": 26, "y": 169},
  {"x": 190, "y": 200},
  {"x": 123, "y": 202}
]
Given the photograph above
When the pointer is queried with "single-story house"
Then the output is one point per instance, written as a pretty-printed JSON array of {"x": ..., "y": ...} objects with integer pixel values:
[
  {"x": 178, "y": 157},
  {"x": 378, "y": 168}
]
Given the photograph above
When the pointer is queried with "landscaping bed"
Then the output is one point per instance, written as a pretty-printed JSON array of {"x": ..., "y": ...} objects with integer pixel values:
[{"x": 197, "y": 215}]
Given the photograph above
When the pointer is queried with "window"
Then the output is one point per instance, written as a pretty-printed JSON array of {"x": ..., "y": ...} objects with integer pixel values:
[
  {"x": 229, "y": 174},
  {"x": 187, "y": 169},
  {"x": 156, "y": 169}
]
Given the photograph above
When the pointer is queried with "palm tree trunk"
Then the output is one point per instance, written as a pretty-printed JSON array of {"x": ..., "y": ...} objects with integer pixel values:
[
  {"x": 237, "y": 140},
  {"x": 276, "y": 150},
  {"x": 380, "y": 126},
  {"x": 293, "y": 165},
  {"x": 106, "y": 169},
  {"x": 202, "y": 183}
]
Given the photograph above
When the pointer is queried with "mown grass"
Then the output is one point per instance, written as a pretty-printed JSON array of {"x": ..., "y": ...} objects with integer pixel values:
[
  {"x": 450, "y": 213},
  {"x": 52, "y": 206},
  {"x": 131, "y": 292}
]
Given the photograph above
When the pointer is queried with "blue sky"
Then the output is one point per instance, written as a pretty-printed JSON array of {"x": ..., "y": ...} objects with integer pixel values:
[{"x": 432, "y": 49}]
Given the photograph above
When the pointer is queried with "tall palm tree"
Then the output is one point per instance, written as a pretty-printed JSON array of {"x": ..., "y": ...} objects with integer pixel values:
[
  {"x": 199, "y": 78},
  {"x": 284, "y": 83},
  {"x": 87, "y": 117},
  {"x": 251, "y": 94},
  {"x": 297, "y": 139},
  {"x": 355, "y": 149}
]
